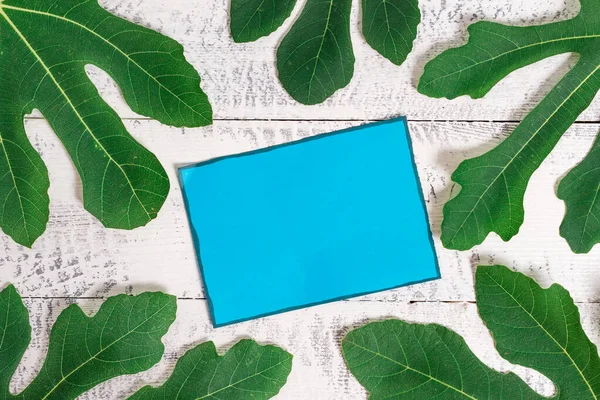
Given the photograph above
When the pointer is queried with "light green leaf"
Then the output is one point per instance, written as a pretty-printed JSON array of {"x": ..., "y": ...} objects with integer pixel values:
[
  {"x": 492, "y": 186},
  {"x": 390, "y": 26},
  {"x": 124, "y": 337},
  {"x": 533, "y": 327},
  {"x": 540, "y": 329},
  {"x": 253, "y": 19},
  {"x": 45, "y": 47},
  {"x": 395, "y": 359},
  {"x": 316, "y": 58},
  {"x": 246, "y": 371},
  {"x": 580, "y": 190}
]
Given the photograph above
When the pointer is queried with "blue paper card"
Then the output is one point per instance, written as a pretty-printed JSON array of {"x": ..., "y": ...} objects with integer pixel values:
[{"x": 321, "y": 219}]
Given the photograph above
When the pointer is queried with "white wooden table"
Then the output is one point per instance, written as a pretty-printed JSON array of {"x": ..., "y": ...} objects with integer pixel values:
[{"x": 78, "y": 261}]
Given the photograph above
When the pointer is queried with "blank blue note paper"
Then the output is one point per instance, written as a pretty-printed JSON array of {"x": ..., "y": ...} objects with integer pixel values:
[{"x": 321, "y": 219}]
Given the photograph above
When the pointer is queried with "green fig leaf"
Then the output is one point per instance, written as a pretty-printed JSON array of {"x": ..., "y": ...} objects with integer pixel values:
[
  {"x": 45, "y": 47},
  {"x": 492, "y": 186},
  {"x": 15, "y": 335},
  {"x": 253, "y": 19},
  {"x": 396, "y": 359},
  {"x": 316, "y": 58},
  {"x": 390, "y": 27},
  {"x": 246, "y": 371},
  {"x": 532, "y": 327},
  {"x": 580, "y": 190},
  {"x": 539, "y": 329}
]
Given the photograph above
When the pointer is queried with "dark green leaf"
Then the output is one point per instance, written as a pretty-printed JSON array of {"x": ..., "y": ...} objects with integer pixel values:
[
  {"x": 390, "y": 26},
  {"x": 246, "y": 371},
  {"x": 580, "y": 190},
  {"x": 253, "y": 19},
  {"x": 315, "y": 58},
  {"x": 493, "y": 185},
  {"x": 45, "y": 47},
  {"x": 15, "y": 334},
  {"x": 124, "y": 337},
  {"x": 540, "y": 329},
  {"x": 533, "y": 327}
]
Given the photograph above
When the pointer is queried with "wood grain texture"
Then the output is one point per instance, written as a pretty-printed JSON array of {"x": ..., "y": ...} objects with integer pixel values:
[{"x": 79, "y": 261}]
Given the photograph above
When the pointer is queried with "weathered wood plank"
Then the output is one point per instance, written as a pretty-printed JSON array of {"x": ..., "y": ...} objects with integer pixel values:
[{"x": 78, "y": 257}]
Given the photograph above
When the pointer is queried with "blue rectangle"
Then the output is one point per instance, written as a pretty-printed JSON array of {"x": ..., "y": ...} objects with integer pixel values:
[{"x": 317, "y": 220}]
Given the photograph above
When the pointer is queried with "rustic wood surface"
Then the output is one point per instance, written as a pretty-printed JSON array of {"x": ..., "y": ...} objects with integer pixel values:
[{"x": 78, "y": 261}]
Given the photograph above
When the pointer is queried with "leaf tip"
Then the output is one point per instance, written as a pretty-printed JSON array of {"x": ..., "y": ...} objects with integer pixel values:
[
  {"x": 577, "y": 246},
  {"x": 29, "y": 239},
  {"x": 449, "y": 242},
  {"x": 11, "y": 289},
  {"x": 240, "y": 39}
]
